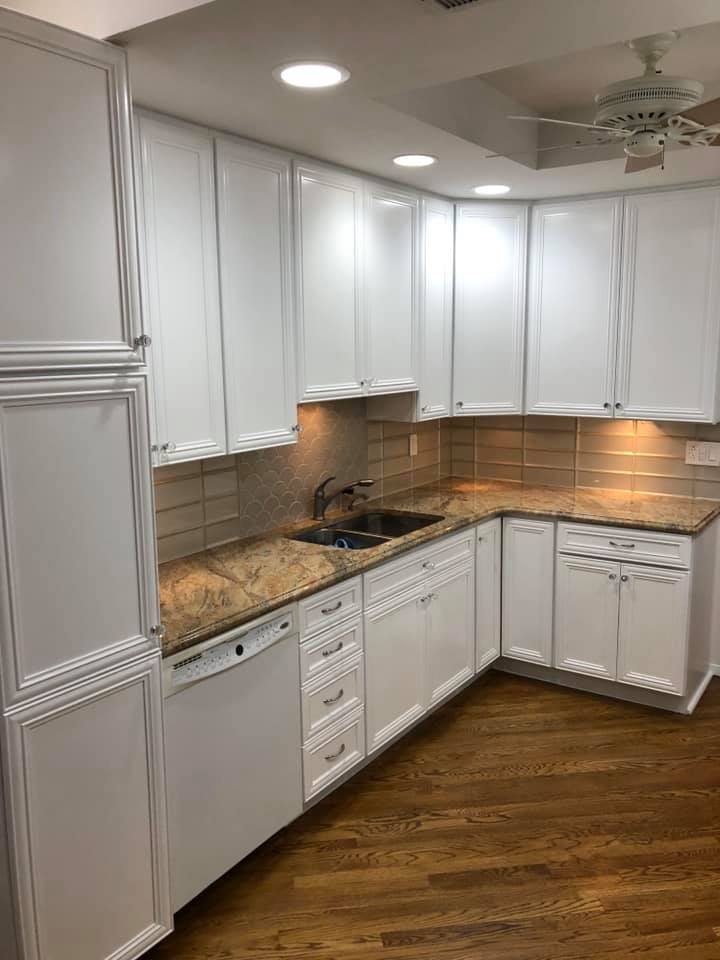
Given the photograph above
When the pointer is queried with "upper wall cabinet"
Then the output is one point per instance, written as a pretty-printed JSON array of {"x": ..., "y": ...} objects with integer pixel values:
[
  {"x": 328, "y": 239},
  {"x": 573, "y": 306},
  {"x": 254, "y": 221},
  {"x": 67, "y": 246},
  {"x": 670, "y": 306},
  {"x": 180, "y": 288},
  {"x": 490, "y": 260},
  {"x": 391, "y": 290}
]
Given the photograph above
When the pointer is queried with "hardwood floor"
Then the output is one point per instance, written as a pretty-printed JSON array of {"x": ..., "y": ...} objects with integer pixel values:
[{"x": 522, "y": 821}]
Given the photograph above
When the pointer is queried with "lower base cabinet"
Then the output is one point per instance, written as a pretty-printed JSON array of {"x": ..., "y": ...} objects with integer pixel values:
[
  {"x": 488, "y": 567},
  {"x": 450, "y": 640},
  {"x": 586, "y": 616},
  {"x": 87, "y": 816},
  {"x": 527, "y": 589}
]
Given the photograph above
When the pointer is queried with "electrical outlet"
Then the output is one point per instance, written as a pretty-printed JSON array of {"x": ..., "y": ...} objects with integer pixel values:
[
  {"x": 702, "y": 453},
  {"x": 412, "y": 445}
]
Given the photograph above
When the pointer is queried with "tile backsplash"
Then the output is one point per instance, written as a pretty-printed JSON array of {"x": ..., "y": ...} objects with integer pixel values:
[
  {"x": 390, "y": 462},
  {"x": 208, "y": 502}
]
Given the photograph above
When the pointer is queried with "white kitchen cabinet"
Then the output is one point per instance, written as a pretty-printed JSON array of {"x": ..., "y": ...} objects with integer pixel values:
[
  {"x": 67, "y": 245},
  {"x": 488, "y": 572},
  {"x": 653, "y": 635},
  {"x": 87, "y": 817},
  {"x": 391, "y": 235},
  {"x": 78, "y": 576},
  {"x": 329, "y": 268},
  {"x": 450, "y": 634},
  {"x": 573, "y": 307},
  {"x": 527, "y": 589},
  {"x": 395, "y": 666},
  {"x": 587, "y": 595},
  {"x": 254, "y": 229},
  {"x": 178, "y": 244},
  {"x": 490, "y": 265},
  {"x": 670, "y": 306}
]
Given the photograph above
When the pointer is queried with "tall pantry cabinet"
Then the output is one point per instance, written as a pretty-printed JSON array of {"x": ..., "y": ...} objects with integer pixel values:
[{"x": 83, "y": 850}]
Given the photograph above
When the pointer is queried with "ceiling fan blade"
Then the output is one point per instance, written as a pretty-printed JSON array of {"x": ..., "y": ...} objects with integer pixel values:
[
  {"x": 636, "y": 164},
  {"x": 559, "y": 146},
  {"x": 571, "y": 123},
  {"x": 706, "y": 114}
]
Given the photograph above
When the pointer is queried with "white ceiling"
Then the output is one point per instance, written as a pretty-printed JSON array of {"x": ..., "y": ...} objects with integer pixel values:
[
  {"x": 100, "y": 18},
  {"x": 419, "y": 80}
]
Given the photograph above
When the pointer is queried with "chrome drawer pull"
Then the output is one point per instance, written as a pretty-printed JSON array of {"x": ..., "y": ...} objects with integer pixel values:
[
  {"x": 622, "y": 546},
  {"x": 334, "y": 699},
  {"x": 337, "y": 649},
  {"x": 327, "y": 610},
  {"x": 428, "y": 565},
  {"x": 334, "y": 756}
]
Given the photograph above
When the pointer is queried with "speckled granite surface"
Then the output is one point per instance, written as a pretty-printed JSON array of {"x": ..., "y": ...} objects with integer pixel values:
[{"x": 207, "y": 593}]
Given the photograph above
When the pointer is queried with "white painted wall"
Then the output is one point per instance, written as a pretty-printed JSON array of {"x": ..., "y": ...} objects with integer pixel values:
[{"x": 101, "y": 18}]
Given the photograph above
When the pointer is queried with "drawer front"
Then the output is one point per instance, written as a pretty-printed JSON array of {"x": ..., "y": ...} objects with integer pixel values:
[
  {"x": 409, "y": 570},
  {"x": 643, "y": 546},
  {"x": 329, "y": 648},
  {"x": 329, "y": 758},
  {"x": 330, "y": 606},
  {"x": 331, "y": 697}
]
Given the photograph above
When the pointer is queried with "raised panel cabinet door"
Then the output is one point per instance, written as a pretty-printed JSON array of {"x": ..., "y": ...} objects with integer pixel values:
[
  {"x": 391, "y": 289},
  {"x": 436, "y": 308},
  {"x": 68, "y": 266},
  {"x": 670, "y": 306},
  {"x": 328, "y": 272},
  {"x": 490, "y": 259},
  {"x": 527, "y": 590},
  {"x": 255, "y": 281},
  {"x": 180, "y": 288},
  {"x": 488, "y": 568},
  {"x": 653, "y": 637},
  {"x": 87, "y": 815},
  {"x": 78, "y": 575},
  {"x": 451, "y": 631},
  {"x": 587, "y": 597},
  {"x": 395, "y": 666},
  {"x": 573, "y": 307}
]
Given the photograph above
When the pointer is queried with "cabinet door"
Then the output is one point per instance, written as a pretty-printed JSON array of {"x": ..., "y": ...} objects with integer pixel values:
[
  {"x": 527, "y": 590},
  {"x": 180, "y": 288},
  {"x": 87, "y": 812},
  {"x": 328, "y": 239},
  {"x": 391, "y": 289},
  {"x": 436, "y": 309},
  {"x": 587, "y": 594},
  {"x": 67, "y": 247},
  {"x": 255, "y": 242},
  {"x": 670, "y": 306},
  {"x": 451, "y": 632},
  {"x": 394, "y": 666},
  {"x": 652, "y": 647},
  {"x": 490, "y": 255},
  {"x": 488, "y": 565},
  {"x": 78, "y": 575},
  {"x": 573, "y": 306}
]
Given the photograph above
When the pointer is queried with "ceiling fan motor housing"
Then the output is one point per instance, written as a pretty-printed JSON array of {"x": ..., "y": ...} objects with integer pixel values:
[{"x": 645, "y": 101}]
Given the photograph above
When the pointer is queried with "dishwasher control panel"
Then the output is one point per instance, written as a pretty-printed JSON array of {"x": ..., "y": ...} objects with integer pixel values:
[{"x": 225, "y": 651}]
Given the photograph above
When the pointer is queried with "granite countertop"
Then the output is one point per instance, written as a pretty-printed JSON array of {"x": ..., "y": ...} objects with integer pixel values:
[{"x": 207, "y": 593}]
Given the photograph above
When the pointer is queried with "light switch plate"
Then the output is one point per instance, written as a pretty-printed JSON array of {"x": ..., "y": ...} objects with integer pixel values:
[{"x": 702, "y": 453}]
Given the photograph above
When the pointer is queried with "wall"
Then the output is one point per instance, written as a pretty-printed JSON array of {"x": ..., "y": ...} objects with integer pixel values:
[
  {"x": 208, "y": 502},
  {"x": 631, "y": 455}
]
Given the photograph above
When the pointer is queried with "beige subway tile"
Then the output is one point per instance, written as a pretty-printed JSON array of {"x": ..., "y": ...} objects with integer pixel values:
[
  {"x": 175, "y": 493},
  {"x": 498, "y": 455},
  {"x": 180, "y": 545},
  {"x": 502, "y": 422},
  {"x": 425, "y": 475},
  {"x": 224, "y": 483},
  {"x": 665, "y": 428},
  {"x": 213, "y": 464},
  {"x": 663, "y": 467},
  {"x": 179, "y": 519},
  {"x": 374, "y": 430},
  {"x": 464, "y": 451},
  {"x": 176, "y": 471},
  {"x": 426, "y": 458},
  {"x": 534, "y": 421},
  {"x": 707, "y": 473},
  {"x": 549, "y": 440},
  {"x": 374, "y": 451},
  {"x": 217, "y": 533},
  {"x": 564, "y": 459},
  {"x": 499, "y": 471},
  {"x": 606, "y": 462},
  {"x": 707, "y": 489},
  {"x": 510, "y": 439},
  {"x": 463, "y": 468},
  {"x": 394, "y": 466},
  {"x": 224, "y": 508},
  {"x": 392, "y": 429},
  {"x": 604, "y": 481},
  {"x": 548, "y": 476},
  {"x": 463, "y": 433},
  {"x": 661, "y": 446},
  {"x": 614, "y": 428},
  {"x": 395, "y": 447},
  {"x": 375, "y": 470},
  {"x": 670, "y": 486},
  {"x": 401, "y": 481},
  {"x": 428, "y": 441},
  {"x": 423, "y": 427},
  {"x": 605, "y": 443},
  {"x": 708, "y": 431}
]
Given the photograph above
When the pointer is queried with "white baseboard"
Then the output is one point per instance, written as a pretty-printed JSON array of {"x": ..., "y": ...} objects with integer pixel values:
[
  {"x": 715, "y": 669},
  {"x": 694, "y": 700}
]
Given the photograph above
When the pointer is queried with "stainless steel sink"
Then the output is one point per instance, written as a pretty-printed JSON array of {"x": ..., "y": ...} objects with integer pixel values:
[{"x": 368, "y": 530}]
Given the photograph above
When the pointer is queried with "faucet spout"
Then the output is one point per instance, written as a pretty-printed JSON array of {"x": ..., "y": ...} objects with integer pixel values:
[{"x": 321, "y": 501}]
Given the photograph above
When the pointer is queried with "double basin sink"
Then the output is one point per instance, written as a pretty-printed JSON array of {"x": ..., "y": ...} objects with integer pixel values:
[{"x": 368, "y": 530}]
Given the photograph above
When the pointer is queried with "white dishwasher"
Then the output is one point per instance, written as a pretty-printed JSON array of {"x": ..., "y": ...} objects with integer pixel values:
[{"x": 232, "y": 743}]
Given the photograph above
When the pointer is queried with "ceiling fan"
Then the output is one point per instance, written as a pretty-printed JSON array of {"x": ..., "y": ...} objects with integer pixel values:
[{"x": 644, "y": 112}]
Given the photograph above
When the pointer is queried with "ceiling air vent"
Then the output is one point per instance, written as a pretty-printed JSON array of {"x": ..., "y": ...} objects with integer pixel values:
[{"x": 448, "y": 5}]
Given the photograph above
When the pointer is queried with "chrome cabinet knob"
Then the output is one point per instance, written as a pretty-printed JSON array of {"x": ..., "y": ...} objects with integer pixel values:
[
  {"x": 612, "y": 576},
  {"x": 607, "y": 405},
  {"x": 624, "y": 578}
]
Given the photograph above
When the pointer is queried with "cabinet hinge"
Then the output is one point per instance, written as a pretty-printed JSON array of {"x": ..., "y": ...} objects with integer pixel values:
[{"x": 144, "y": 340}]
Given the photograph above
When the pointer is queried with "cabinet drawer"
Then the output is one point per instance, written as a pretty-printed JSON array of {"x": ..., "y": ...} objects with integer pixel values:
[
  {"x": 331, "y": 696},
  {"x": 644, "y": 546},
  {"x": 330, "y": 606},
  {"x": 330, "y": 757},
  {"x": 329, "y": 648},
  {"x": 404, "y": 573}
]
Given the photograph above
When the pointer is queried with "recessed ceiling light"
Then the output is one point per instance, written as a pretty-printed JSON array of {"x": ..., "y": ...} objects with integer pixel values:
[
  {"x": 415, "y": 160},
  {"x": 492, "y": 189},
  {"x": 311, "y": 74}
]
